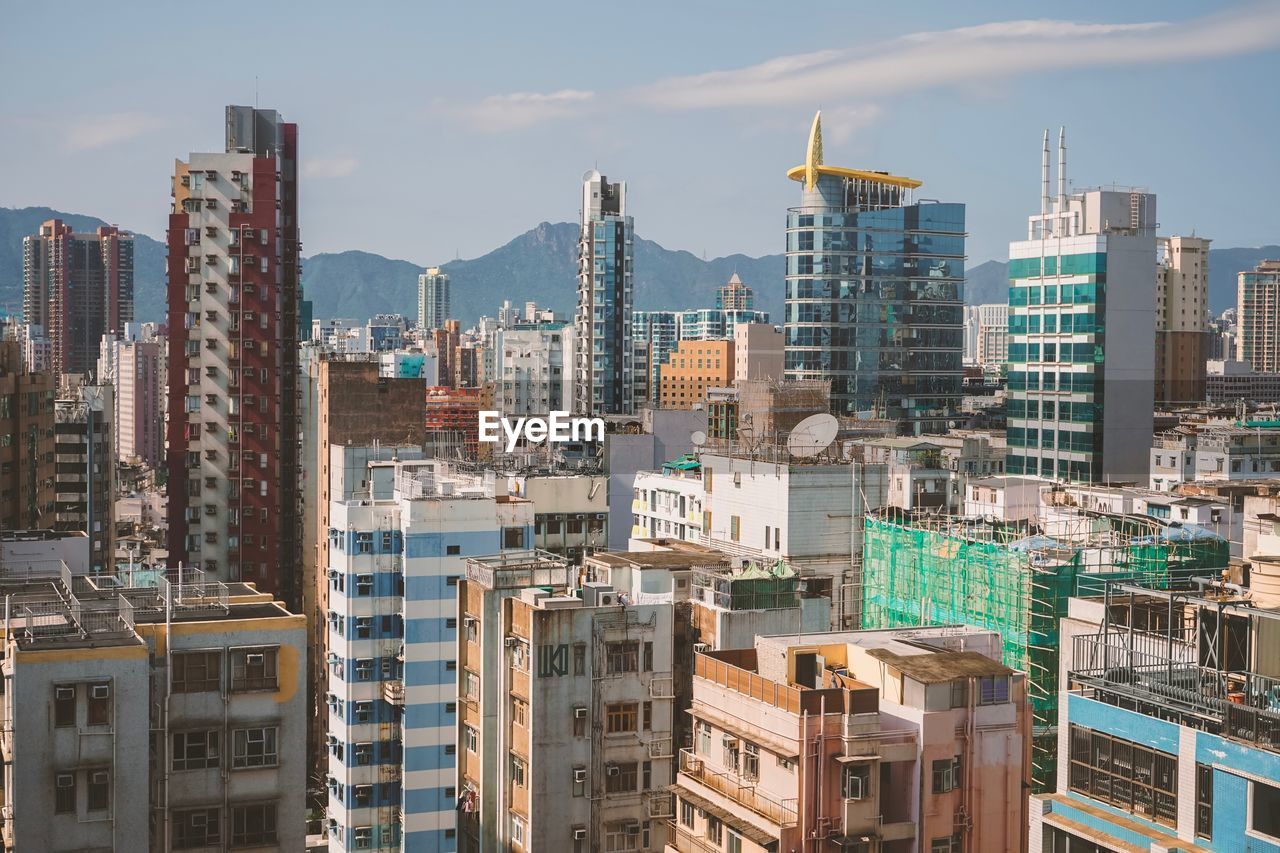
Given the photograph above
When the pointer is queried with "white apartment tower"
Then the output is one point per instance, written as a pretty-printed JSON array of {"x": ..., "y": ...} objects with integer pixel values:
[{"x": 433, "y": 299}]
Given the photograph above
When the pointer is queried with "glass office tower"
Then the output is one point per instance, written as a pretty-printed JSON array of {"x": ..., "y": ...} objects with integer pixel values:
[{"x": 874, "y": 294}]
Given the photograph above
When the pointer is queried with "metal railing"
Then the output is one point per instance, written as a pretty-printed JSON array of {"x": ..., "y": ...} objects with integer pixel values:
[
  {"x": 686, "y": 842},
  {"x": 781, "y": 812}
]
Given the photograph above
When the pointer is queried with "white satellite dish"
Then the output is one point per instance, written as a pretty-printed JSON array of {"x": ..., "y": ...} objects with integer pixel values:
[
  {"x": 698, "y": 438},
  {"x": 812, "y": 435}
]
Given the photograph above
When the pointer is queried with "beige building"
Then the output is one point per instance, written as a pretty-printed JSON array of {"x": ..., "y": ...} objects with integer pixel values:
[
  {"x": 566, "y": 711},
  {"x": 694, "y": 367},
  {"x": 1182, "y": 324},
  {"x": 1258, "y": 317},
  {"x": 872, "y": 741},
  {"x": 757, "y": 351}
]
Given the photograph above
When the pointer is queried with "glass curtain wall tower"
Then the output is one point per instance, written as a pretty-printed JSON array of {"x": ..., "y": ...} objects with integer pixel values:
[
  {"x": 603, "y": 361},
  {"x": 874, "y": 299}
]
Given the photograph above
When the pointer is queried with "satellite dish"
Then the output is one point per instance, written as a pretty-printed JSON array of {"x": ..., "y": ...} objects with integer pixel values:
[
  {"x": 812, "y": 435},
  {"x": 698, "y": 438}
]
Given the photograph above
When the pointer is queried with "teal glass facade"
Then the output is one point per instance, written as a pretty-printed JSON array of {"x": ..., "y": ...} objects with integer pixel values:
[
  {"x": 1057, "y": 338},
  {"x": 875, "y": 305}
]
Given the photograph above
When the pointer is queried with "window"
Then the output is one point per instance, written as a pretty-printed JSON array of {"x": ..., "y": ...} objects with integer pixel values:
[
  {"x": 364, "y": 584},
  {"x": 471, "y": 739},
  {"x": 785, "y": 763},
  {"x": 99, "y": 790},
  {"x": 648, "y": 657},
  {"x": 518, "y": 768},
  {"x": 646, "y": 721},
  {"x": 255, "y": 748},
  {"x": 715, "y": 830},
  {"x": 1204, "y": 801},
  {"x": 513, "y": 537},
  {"x": 686, "y": 813},
  {"x": 579, "y": 781},
  {"x": 731, "y": 752},
  {"x": 517, "y": 830},
  {"x": 1264, "y": 809},
  {"x": 946, "y": 775},
  {"x": 949, "y": 844},
  {"x": 64, "y": 705},
  {"x": 1124, "y": 774},
  {"x": 519, "y": 711},
  {"x": 453, "y": 550},
  {"x": 620, "y": 717},
  {"x": 750, "y": 760},
  {"x": 734, "y": 844},
  {"x": 621, "y": 778},
  {"x": 195, "y": 750},
  {"x": 253, "y": 669},
  {"x": 704, "y": 738},
  {"x": 993, "y": 690},
  {"x": 197, "y": 672},
  {"x": 579, "y": 658},
  {"x": 253, "y": 824},
  {"x": 579, "y": 721},
  {"x": 196, "y": 828},
  {"x": 854, "y": 782},
  {"x": 99, "y": 704},
  {"x": 622, "y": 657},
  {"x": 64, "y": 793}
]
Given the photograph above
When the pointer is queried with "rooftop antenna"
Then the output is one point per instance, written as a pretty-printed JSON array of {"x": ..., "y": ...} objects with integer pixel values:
[
  {"x": 255, "y": 92},
  {"x": 1062, "y": 170},
  {"x": 1044, "y": 175},
  {"x": 812, "y": 435}
]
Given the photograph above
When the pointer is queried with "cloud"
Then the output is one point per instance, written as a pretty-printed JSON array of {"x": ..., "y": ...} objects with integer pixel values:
[
  {"x": 333, "y": 167},
  {"x": 97, "y": 131},
  {"x": 976, "y": 54},
  {"x": 841, "y": 124},
  {"x": 521, "y": 109}
]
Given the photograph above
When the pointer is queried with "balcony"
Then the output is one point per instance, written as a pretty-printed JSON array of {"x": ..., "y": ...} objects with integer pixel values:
[
  {"x": 393, "y": 693},
  {"x": 686, "y": 842},
  {"x": 780, "y": 812}
]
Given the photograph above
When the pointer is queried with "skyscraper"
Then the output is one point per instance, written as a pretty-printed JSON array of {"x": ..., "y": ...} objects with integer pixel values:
[
  {"x": 234, "y": 499},
  {"x": 874, "y": 293},
  {"x": 1182, "y": 319},
  {"x": 433, "y": 299},
  {"x": 1258, "y": 317},
  {"x": 1082, "y": 319},
  {"x": 602, "y": 365},
  {"x": 77, "y": 287},
  {"x": 735, "y": 296}
]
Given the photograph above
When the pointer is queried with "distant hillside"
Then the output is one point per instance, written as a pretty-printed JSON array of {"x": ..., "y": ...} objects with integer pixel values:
[{"x": 537, "y": 266}]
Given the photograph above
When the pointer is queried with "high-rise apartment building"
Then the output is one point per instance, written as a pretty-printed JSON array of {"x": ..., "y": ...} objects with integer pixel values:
[
  {"x": 233, "y": 431},
  {"x": 987, "y": 334},
  {"x": 735, "y": 296},
  {"x": 757, "y": 352},
  {"x": 397, "y": 553},
  {"x": 1082, "y": 318},
  {"x": 1182, "y": 319},
  {"x": 26, "y": 459},
  {"x": 566, "y": 711},
  {"x": 84, "y": 470},
  {"x": 659, "y": 331},
  {"x": 1258, "y": 317},
  {"x": 78, "y": 287},
  {"x": 151, "y": 716},
  {"x": 433, "y": 299},
  {"x": 602, "y": 326},
  {"x": 534, "y": 367},
  {"x": 875, "y": 293},
  {"x": 135, "y": 369}
]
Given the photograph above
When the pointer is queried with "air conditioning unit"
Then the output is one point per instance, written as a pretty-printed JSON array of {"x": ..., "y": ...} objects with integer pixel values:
[
  {"x": 66, "y": 780},
  {"x": 730, "y": 741},
  {"x": 198, "y": 820},
  {"x": 64, "y": 693},
  {"x": 600, "y": 516},
  {"x": 702, "y": 647},
  {"x": 254, "y": 659},
  {"x": 632, "y": 828},
  {"x": 611, "y": 769},
  {"x": 580, "y": 713},
  {"x": 100, "y": 691},
  {"x": 606, "y": 600},
  {"x": 101, "y": 777},
  {"x": 580, "y": 516},
  {"x": 511, "y": 642},
  {"x": 580, "y": 773},
  {"x": 579, "y": 833},
  {"x": 469, "y": 621}
]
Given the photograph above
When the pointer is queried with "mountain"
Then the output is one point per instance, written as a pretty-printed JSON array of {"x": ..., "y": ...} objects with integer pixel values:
[{"x": 537, "y": 266}]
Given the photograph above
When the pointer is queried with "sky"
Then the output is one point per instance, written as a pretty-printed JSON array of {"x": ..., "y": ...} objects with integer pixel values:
[{"x": 429, "y": 131}]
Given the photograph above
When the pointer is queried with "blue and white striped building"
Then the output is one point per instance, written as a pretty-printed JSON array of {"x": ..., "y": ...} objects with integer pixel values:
[{"x": 395, "y": 561}]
